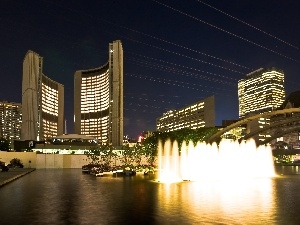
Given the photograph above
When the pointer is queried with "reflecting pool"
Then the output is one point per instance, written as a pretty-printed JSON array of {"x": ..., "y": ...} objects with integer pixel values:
[{"x": 66, "y": 196}]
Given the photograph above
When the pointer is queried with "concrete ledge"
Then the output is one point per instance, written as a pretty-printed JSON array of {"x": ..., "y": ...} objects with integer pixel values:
[{"x": 13, "y": 174}]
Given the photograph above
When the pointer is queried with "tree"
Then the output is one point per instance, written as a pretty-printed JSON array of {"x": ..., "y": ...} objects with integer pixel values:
[
  {"x": 93, "y": 154},
  {"x": 15, "y": 162},
  {"x": 101, "y": 155},
  {"x": 128, "y": 156},
  {"x": 150, "y": 149},
  {"x": 138, "y": 153},
  {"x": 185, "y": 134}
]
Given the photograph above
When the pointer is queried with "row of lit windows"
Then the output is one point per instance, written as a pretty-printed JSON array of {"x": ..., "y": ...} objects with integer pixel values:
[
  {"x": 9, "y": 109},
  {"x": 183, "y": 117},
  {"x": 10, "y": 124},
  {"x": 100, "y": 80},
  {"x": 183, "y": 112},
  {"x": 49, "y": 100},
  {"x": 9, "y": 113},
  {"x": 13, "y": 133},
  {"x": 97, "y": 128},
  {"x": 191, "y": 117},
  {"x": 95, "y": 98},
  {"x": 95, "y": 93},
  {"x": 9, "y": 117},
  {"x": 261, "y": 92},
  {"x": 96, "y": 77},
  {"x": 181, "y": 123},
  {"x": 93, "y": 105},
  {"x": 102, "y": 138},
  {"x": 99, "y": 85},
  {"x": 10, "y": 120},
  {"x": 50, "y": 128},
  {"x": 173, "y": 128}
]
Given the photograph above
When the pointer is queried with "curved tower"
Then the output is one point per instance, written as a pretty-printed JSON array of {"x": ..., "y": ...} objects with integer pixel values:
[
  {"x": 42, "y": 101},
  {"x": 98, "y": 99}
]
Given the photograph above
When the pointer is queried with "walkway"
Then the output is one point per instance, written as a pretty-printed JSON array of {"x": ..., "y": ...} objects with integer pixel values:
[{"x": 13, "y": 174}]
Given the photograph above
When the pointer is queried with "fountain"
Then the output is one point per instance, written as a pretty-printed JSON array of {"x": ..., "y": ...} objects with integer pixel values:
[{"x": 204, "y": 161}]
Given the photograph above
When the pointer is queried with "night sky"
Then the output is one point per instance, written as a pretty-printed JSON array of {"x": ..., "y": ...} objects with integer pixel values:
[{"x": 175, "y": 52}]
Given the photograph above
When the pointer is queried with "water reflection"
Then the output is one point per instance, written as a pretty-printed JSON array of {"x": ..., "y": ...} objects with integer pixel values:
[
  {"x": 287, "y": 170},
  {"x": 230, "y": 202},
  {"x": 69, "y": 197}
]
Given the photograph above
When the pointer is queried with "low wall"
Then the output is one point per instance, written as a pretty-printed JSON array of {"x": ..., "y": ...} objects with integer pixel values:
[
  {"x": 41, "y": 161},
  {"x": 27, "y": 158},
  {"x": 61, "y": 161},
  {"x": 44, "y": 161}
]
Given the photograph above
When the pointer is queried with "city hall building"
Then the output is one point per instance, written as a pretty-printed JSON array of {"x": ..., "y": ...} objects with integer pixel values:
[
  {"x": 42, "y": 102},
  {"x": 98, "y": 99},
  {"x": 199, "y": 114}
]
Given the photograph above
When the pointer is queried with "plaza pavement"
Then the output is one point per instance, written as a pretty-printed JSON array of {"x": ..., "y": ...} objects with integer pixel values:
[{"x": 13, "y": 174}]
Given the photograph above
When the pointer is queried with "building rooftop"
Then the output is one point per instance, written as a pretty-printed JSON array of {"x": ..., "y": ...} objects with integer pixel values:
[{"x": 74, "y": 136}]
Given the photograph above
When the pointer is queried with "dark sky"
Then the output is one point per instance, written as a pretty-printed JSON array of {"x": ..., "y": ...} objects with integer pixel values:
[{"x": 175, "y": 52}]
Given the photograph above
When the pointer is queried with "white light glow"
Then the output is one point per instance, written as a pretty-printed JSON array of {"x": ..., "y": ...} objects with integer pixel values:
[{"x": 205, "y": 161}]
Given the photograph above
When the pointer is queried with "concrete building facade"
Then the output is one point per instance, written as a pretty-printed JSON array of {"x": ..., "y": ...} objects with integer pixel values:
[
  {"x": 42, "y": 101},
  {"x": 199, "y": 114},
  {"x": 98, "y": 99}
]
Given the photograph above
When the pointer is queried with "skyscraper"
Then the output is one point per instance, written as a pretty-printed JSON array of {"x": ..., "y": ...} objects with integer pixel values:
[
  {"x": 10, "y": 120},
  {"x": 42, "y": 101},
  {"x": 261, "y": 91},
  {"x": 98, "y": 99}
]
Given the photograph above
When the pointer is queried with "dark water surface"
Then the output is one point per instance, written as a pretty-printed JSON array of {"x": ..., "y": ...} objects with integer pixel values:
[{"x": 66, "y": 196}]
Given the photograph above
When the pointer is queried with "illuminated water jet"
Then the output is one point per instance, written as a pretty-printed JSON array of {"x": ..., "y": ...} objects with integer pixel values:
[{"x": 204, "y": 161}]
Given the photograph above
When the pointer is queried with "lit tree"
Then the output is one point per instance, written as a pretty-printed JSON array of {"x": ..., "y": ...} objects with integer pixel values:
[
  {"x": 128, "y": 156},
  {"x": 101, "y": 155},
  {"x": 185, "y": 134}
]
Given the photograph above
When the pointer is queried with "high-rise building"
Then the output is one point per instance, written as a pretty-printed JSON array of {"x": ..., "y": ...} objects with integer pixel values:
[
  {"x": 42, "y": 101},
  {"x": 200, "y": 114},
  {"x": 98, "y": 99},
  {"x": 10, "y": 120},
  {"x": 261, "y": 91}
]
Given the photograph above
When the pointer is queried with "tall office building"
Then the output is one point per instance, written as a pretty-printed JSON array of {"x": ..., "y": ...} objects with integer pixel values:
[
  {"x": 10, "y": 120},
  {"x": 261, "y": 91},
  {"x": 199, "y": 114},
  {"x": 42, "y": 101},
  {"x": 98, "y": 99}
]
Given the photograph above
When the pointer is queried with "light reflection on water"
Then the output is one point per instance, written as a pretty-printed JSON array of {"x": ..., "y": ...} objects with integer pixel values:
[
  {"x": 231, "y": 202},
  {"x": 68, "y": 197}
]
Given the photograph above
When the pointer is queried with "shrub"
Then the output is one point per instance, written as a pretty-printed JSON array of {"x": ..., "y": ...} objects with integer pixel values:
[{"x": 16, "y": 163}]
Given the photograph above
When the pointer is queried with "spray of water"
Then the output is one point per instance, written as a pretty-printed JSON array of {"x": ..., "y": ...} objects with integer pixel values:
[{"x": 208, "y": 161}]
